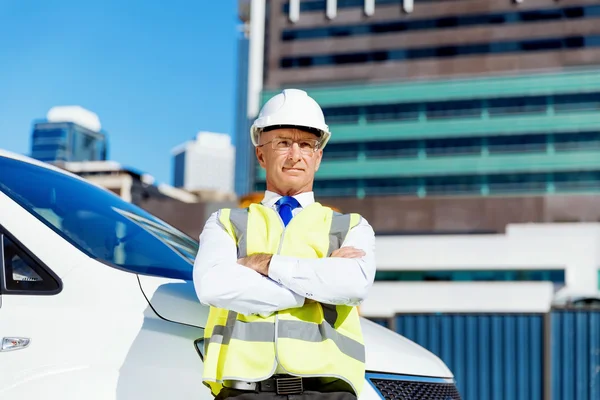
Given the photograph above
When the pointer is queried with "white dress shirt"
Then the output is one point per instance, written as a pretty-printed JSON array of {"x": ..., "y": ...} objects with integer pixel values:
[{"x": 221, "y": 282}]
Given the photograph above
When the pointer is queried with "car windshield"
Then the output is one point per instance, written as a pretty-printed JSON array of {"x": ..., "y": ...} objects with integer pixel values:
[{"x": 99, "y": 222}]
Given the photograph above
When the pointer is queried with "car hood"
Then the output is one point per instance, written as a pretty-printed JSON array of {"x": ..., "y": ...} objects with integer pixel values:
[
  {"x": 386, "y": 351},
  {"x": 390, "y": 352}
]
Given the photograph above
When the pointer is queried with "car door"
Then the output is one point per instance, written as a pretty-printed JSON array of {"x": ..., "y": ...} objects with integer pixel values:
[{"x": 24, "y": 282}]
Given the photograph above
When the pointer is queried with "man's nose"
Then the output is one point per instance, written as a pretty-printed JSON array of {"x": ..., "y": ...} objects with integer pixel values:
[{"x": 295, "y": 154}]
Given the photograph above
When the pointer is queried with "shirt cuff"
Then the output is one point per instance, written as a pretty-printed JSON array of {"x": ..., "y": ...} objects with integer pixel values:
[{"x": 281, "y": 269}]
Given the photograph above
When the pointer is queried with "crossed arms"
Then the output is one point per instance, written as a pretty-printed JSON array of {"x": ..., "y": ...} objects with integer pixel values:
[{"x": 264, "y": 283}]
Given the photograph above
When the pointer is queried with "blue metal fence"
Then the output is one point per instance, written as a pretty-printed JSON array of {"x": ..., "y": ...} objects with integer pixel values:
[
  {"x": 575, "y": 350},
  {"x": 554, "y": 356},
  {"x": 493, "y": 356}
]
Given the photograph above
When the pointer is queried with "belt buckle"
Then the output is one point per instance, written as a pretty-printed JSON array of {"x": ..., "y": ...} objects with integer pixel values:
[{"x": 285, "y": 386}]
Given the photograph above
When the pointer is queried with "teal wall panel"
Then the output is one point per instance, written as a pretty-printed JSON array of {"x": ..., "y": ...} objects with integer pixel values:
[
  {"x": 381, "y": 168},
  {"x": 466, "y": 88},
  {"x": 457, "y": 127}
]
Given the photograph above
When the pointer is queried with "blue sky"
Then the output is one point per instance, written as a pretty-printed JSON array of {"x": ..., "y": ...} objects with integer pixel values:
[{"x": 155, "y": 72}]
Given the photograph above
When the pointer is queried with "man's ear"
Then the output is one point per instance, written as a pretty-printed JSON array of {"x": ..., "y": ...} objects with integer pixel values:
[{"x": 260, "y": 156}]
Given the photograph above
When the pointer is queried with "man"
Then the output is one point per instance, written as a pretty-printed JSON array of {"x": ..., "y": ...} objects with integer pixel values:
[{"x": 283, "y": 278}]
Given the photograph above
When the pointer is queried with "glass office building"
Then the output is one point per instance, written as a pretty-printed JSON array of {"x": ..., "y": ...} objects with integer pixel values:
[
  {"x": 536, "y": 133},
  {"x": 454, "y": 98},
  {"x": 67, "y": 141}
]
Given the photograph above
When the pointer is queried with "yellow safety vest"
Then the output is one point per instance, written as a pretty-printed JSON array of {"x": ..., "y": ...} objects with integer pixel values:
[{"x": 316, "y": 340}]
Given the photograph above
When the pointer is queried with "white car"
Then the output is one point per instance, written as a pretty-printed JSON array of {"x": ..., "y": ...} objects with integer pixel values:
[{"x": 97, "y": 302}]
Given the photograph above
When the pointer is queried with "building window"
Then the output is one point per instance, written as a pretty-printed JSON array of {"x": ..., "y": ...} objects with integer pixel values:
[
  {"x": 459, "y": 21},
  {"x": 576, "y": 141},
  {"x": 458, "y": 184},
  {"x": 517, "y": 182},
  {"x": 398, "y": 148},
  {"x": 517, "y": 144},
  {"x": 550, "y": 275},
  {"x": 473, "y": 108},
  {"x": 517, "y": 105},
  {"x": 471, "y": 145},
  {"x": 179, "y": 170},
  {"x": 342, "y": 150},
  {"x": 368, "y": 57},
  {"x": 340, "y": 187},
  {"x": 451, "y": 185},
  {"x": 384, "y": 186},
  {"x": 50, "y": 134},
  {"x": 341, "y": 115},
  {"x": 576, "y": 181},
  {"x": 321, "y": 5},
  {"x": 577, "y": 102},
  {"x": 392, "y": 112},
  {"x": 453, "y": 146},
  {"x": 454, "y": 109}
]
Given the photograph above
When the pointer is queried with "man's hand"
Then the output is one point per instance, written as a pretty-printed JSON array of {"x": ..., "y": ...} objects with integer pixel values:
[
  {"x": 348, "y": 252},
  {"x": 258, "y": 262}
]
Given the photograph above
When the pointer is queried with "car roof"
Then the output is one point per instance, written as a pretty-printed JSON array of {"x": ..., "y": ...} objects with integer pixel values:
[{"x": 33, "y": 161}]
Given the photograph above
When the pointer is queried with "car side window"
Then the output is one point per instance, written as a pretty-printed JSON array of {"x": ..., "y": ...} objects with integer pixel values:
[{"x": 22, "y": 274}]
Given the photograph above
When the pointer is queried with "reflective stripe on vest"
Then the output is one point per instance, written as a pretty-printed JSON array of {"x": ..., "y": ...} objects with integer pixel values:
[{"x": 314, "y": 340}]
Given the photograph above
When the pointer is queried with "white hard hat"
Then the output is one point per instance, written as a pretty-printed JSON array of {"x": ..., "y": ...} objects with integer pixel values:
[{"x": 291, "y": 108}]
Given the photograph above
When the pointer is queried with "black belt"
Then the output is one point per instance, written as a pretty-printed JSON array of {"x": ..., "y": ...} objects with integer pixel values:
[{"x": 284, "y": 385}]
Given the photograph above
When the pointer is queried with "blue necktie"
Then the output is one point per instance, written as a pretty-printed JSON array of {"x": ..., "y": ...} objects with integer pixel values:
[{"x": 286, "y": 204}]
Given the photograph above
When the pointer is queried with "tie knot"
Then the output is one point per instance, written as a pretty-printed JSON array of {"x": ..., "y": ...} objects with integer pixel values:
[{"x": 288, "y": 201}]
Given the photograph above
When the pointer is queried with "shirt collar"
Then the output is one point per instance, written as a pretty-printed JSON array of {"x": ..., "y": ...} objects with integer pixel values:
[{"x": 305, "y": 199}]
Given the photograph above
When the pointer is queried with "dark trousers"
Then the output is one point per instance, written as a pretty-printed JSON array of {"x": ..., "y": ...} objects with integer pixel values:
[{"x": 228, "y": 393}]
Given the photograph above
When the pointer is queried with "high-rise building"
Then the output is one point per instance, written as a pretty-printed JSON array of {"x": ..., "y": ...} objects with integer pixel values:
[
  {"x": 439, "y": 97},
  {"x": 69, "y": 133},
  {"x": 205, "y": 164},
  {"x": 244, "y": 156}
]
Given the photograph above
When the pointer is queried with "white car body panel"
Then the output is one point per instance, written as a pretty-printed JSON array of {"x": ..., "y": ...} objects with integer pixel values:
[
  {"x": 113, "y": 334},
  {"x": 174, "y": 300}
]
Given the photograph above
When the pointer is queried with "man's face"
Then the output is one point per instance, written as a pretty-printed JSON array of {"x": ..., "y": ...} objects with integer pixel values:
[{"x": 289, "y": 160}]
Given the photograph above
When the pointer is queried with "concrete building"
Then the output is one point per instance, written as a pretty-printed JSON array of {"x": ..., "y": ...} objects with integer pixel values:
[
  {"x": 527, "y": 269},
  {"x": 128, "y": 183},
  {"x": 182, "y": 209},
  {"x": 462, "y": 98},
  {"x": 205, "y": 164},
  {"x": 69, "y": 133}
]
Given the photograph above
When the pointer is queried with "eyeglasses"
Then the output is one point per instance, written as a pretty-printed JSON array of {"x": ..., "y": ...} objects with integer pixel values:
[{"x": 307, "y": 146}]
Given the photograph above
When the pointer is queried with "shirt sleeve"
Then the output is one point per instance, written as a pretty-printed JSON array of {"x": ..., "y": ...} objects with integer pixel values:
[
  {"x": 331, "y": 280},
  {"x": 221, "y": 282}
]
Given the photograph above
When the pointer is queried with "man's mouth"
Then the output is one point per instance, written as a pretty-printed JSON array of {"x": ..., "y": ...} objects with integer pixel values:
[{"x": 293, "y": 169}]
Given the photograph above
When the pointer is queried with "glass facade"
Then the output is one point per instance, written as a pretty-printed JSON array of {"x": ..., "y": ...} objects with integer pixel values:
[
  {"x": 505, "y": 135},
  {"x": 67, "y": 141}
]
